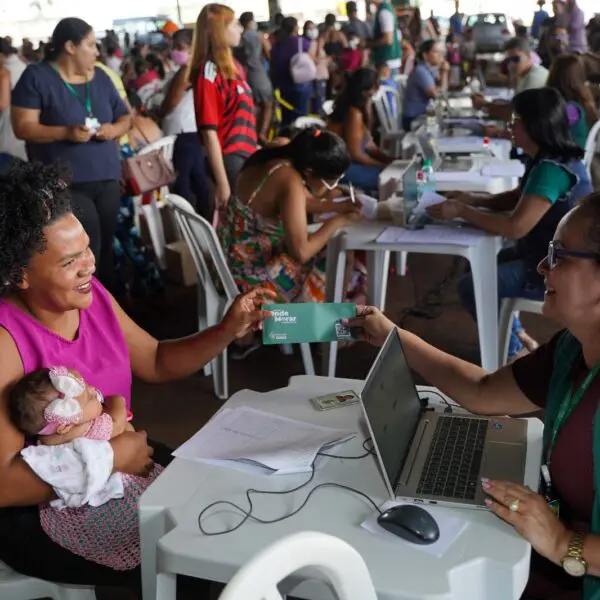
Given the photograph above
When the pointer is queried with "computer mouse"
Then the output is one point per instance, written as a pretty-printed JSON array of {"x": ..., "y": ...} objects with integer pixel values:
[{"x": 412, "y": 523}]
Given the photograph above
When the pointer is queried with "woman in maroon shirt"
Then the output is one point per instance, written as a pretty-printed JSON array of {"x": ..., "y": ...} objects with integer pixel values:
[{"x": 572, "y": 299}]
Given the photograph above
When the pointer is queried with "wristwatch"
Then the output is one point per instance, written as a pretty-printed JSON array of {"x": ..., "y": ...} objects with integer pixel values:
[{"x": 573, "y": 562}]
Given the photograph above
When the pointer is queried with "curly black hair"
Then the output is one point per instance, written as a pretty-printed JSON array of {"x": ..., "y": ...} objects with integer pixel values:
[
  {"x": 28, "y": 399},
  {"x": 32, "y": 196}
]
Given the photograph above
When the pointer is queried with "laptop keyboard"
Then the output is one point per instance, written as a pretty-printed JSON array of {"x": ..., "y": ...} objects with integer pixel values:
[{"x": 454, "y": 458}]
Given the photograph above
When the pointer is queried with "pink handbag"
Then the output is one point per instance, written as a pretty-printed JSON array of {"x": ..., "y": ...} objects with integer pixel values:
[{"x": 147, "y": 172}]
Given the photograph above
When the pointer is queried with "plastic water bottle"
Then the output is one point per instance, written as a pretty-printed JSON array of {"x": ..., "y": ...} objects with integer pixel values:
[
  {"x": 488, "y": 151},
  {"x": 475, "y": 86},
  {"x": 430, "y": 119},
  {"x": 428, "y": 184}
]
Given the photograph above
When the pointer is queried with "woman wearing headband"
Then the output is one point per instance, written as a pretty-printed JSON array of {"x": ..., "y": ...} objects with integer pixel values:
[
  {"x": 52, "y": 312},
  {"x": 561, "y": 378}
]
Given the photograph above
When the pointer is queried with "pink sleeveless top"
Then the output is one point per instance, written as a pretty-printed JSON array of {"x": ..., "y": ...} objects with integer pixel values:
[{"x": 99, "y": 351}]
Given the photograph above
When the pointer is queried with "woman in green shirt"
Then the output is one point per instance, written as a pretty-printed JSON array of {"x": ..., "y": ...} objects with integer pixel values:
[
  {"x": 568, "y": 76},
  {"x": 554, "y": 180}
]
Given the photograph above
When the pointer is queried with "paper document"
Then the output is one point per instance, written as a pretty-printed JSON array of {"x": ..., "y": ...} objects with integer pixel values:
[
  {"x": 507, "y": 168},
  {"x": 454, "y": 236},
  {"x": 249, "y": 435},
  {"x": 368, "y": 210},
  {"x": 426, "y": 200},
  {"x": 451, "y": 527}
]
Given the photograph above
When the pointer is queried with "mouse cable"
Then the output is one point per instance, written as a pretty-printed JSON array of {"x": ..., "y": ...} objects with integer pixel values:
[{"x": 248, "y": 513}]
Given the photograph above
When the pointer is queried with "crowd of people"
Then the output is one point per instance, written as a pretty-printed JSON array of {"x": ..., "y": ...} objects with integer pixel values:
[{"x": 73, "y": 111}]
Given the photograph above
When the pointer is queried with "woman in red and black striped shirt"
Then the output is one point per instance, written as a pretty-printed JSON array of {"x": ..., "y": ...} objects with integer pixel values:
[{"x": 222, "y": 98}]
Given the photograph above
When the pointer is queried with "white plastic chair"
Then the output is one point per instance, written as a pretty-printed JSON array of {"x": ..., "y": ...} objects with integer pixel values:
[
  {"x": 339, "y": 562},
  {"x": 509, "y": 308},
  {"x": 206, "y": 251},
  {"x": 14, "y": 586},
  {"x": 389, "y": 118},
  {"x": 590, "y": 147},
  {"x": 305, "y": 122},
  {"x": 152, "y": 210}
]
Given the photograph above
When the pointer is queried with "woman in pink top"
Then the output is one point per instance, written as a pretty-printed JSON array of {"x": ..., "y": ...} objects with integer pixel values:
[{"x": 53, "y": 312}]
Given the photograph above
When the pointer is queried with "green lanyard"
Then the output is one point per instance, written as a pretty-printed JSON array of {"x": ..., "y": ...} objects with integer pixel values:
[
  {"x": 568, "y": 406},
  {"x": 88, "y": 96}
]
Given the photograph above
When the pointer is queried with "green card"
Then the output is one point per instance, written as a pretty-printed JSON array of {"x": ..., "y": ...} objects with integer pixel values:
[{"x": 309, "y": 322}]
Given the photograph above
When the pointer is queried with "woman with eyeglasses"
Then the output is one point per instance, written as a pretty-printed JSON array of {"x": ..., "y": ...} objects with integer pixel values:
[
  {"x": 265, "y": 233},
  {"x": 560, "y": 377},
  {"x": 555, "y": 178},
  {"x": 351, "y": 120}
]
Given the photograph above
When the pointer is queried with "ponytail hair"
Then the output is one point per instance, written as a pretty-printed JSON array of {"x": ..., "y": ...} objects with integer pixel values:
[
  {"x": 70, "y": 29},
  {"x": 319, "y": 151}
]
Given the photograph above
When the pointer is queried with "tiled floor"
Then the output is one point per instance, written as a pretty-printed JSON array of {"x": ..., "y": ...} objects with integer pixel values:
[{"x": 171, "y": 413}]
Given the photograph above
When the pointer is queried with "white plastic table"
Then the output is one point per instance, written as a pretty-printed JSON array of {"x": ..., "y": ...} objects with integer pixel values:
[
  {"x": 481, "y": 255},
  {"x": 489, "y": 560}
]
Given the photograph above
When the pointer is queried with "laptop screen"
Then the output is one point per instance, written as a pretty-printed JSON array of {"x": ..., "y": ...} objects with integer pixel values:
[
  {"x": 410, "y": 192},
  {"x": 392, "y": 406},
  {"x": 427, "y": 149}
]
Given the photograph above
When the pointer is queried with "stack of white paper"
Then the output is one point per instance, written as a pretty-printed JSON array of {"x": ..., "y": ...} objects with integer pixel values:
[{"x": 251, "y": 436}]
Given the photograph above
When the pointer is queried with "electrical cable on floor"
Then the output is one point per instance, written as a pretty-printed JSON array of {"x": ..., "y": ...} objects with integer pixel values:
[{"x": 429, "y": 306}]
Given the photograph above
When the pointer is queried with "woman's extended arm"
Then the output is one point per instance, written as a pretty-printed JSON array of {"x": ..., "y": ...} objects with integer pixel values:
[
  {"x": 292, "y": 207},
  {"x": 169, "y": 360},
  {"x": 501, "y": 202},
  {"x": 374, "y": 151},
  {"x": 516, "y": 225},
  {"x": 354, "y": 134},
  {"x": 469, "y": 385},
  {"x": 19, "y": 486}
]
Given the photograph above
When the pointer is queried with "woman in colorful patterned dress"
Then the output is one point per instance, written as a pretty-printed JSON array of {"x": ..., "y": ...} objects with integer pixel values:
[{"x": 265, "y": 233}]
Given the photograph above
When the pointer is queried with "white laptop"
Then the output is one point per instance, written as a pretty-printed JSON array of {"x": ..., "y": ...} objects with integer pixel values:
[
  {"x": 448, "y": 164},
  {"x": 432, "y": 457}
]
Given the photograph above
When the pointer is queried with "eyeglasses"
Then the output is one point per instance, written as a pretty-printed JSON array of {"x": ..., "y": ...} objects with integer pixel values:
[
  {"x": 331, "y": 186},
  {"x": 556, "y": 252}
]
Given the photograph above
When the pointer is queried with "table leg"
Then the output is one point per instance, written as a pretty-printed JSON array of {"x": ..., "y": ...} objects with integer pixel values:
[
  {"x": 334, "y": 292},
  {"x": 484, "y": 268},
  {"x": 166, "y": 586},
  {"x": 378, "y": 262},
  {"x": 152, "y": 528}
]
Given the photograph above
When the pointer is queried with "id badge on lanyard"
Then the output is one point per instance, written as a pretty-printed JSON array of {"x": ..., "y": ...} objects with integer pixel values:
[{"x": 566, "y": 409}]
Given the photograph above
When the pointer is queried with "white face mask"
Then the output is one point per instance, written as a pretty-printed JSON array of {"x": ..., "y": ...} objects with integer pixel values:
[
  {"x": 312, "y": 34},
  {"x": 353, "y": 44}
]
